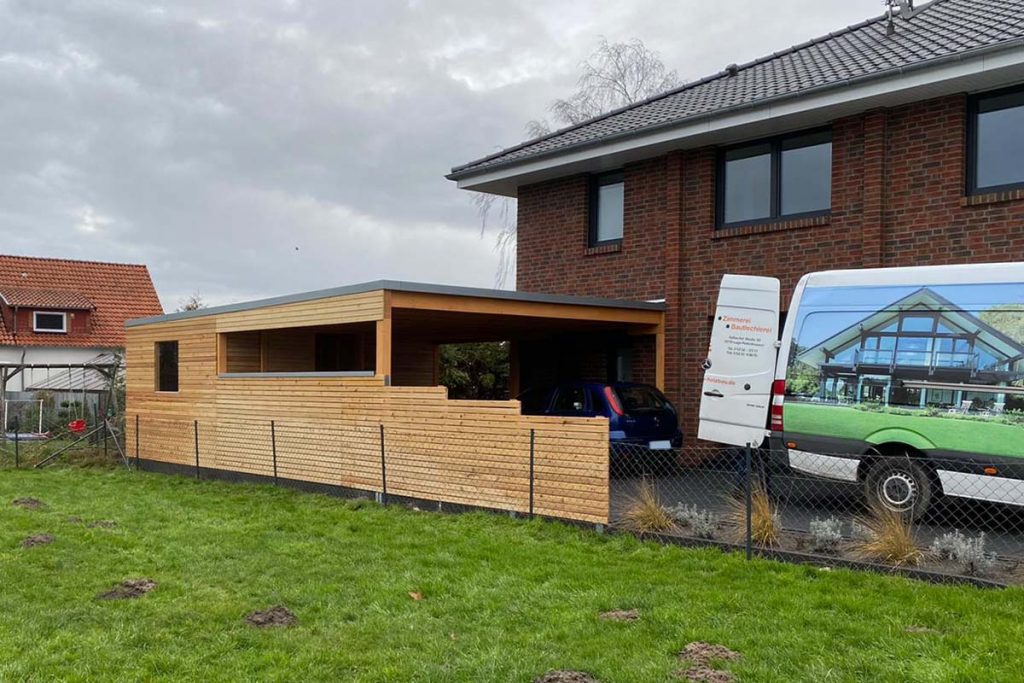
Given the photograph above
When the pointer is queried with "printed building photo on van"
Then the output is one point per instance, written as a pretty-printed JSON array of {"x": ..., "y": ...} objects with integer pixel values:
[{"x": 938, "y": 369}]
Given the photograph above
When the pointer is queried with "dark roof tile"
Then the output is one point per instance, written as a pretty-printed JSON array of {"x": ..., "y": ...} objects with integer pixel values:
[{"x": 939, "y": 29}]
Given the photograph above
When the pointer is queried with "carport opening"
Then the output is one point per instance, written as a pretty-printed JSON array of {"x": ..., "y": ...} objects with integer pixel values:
[
  {"x": 317, "y": 349},
  {"x": 476, "y": 370}
]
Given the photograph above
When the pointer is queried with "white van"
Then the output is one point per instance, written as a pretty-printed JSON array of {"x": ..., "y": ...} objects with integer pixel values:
[{"x": 923, "y": 362}]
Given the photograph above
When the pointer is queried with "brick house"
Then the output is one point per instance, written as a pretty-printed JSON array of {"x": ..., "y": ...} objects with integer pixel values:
[
  {"x": 55, "y": 311},
  {"x": 897, "y": 141}
]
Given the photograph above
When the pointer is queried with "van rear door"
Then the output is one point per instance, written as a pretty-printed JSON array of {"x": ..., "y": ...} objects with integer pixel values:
[{"x": 740, "y": 365}]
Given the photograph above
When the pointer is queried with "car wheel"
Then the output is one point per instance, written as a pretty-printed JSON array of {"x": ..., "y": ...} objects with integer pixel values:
[{"x": 900, "y": 485}]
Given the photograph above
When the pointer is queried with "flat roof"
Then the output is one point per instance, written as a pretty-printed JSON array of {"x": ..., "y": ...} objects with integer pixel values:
[{"x": 413, "y": 287}]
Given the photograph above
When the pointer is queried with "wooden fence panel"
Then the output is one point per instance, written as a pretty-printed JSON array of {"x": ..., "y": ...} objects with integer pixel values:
[{"x": 474, "y": 453}]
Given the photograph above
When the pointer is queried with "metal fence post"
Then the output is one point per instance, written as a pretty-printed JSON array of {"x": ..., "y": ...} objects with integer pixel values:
[
  {"x": 533, "y": 439},
  {"x": 383, "y": 470},
  {"x": 747, "y": 469},
  {"x": 17, "y": 430},
  {"x": 195, "y": 426},
  {"x": 273, "y": 448},
  {"x": 138, "y": 461}
]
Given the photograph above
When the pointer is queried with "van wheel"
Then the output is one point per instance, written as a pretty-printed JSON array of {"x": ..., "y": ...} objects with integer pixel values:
[{"x": 901, "y": 485}]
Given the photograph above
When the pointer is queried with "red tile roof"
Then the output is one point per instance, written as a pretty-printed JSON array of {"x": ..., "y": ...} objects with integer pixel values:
[
  {"x": 113, "y": 292},
  {"x": 34, "y": 297}
]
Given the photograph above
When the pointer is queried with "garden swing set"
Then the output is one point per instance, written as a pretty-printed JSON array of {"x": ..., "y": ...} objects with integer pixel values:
[{"x": 97, "y": 376}]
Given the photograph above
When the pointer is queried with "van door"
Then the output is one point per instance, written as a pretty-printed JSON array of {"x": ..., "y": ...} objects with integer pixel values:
[{"x": 740, "y": 365}]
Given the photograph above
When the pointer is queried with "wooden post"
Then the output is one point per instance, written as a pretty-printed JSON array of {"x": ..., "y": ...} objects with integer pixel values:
[
  {"x": 659, "y": 358},
  {"x": 382, "y": 367},
  {"x": 513, "y": 369}
]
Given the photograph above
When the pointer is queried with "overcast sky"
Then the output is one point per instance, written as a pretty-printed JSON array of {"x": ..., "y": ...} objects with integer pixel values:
[{"x": 247, "y": 148}]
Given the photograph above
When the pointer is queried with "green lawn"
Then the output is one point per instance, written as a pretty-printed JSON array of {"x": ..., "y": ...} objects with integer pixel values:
[
  {"x": 504, "y": 600},
  {"x": 949, "y": 433}
]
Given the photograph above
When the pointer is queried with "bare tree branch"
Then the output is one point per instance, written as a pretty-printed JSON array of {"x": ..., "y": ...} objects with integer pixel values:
[{"x": 615, "y": 75}]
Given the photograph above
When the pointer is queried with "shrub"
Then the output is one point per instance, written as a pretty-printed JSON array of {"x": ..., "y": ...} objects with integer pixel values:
[
  {"x": 703, "y": 523},
  {"x": 826, "y": 534},
  {"x": 644, "y": 513},
  {"x": 765, "y": 523},
  {"x": 886, "y": 536},
  {"x": 969, "y": 553}
]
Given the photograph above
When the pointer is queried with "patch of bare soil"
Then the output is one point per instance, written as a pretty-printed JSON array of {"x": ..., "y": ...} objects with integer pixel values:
[
  {"x": 28, "y": 503},
  {"x": 279, "y": 615},
  {"x": 128, "y": 589},
  {"x": 37, "y": 539},
  {"x": 102, "y": 524},
  {"x": 620, "y": 615},
  {"x": 699, "y": 657},
  {"x": 566, "y": 677}
]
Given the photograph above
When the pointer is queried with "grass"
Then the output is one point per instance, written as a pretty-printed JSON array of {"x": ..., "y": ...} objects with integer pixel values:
[
  {"x": 502, "y": 599},
  {"x": 945, "y": 433}
]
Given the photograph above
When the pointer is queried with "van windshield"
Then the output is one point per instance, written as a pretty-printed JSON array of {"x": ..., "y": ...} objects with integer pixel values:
[{"x": 640, "y": 399}]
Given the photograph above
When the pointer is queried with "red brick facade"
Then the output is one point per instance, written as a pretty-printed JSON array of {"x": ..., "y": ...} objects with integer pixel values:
[{"x": 898, "y": 199}]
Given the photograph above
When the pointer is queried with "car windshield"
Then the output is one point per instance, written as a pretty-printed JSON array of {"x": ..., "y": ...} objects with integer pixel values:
[{"x": 639, "y": 399}]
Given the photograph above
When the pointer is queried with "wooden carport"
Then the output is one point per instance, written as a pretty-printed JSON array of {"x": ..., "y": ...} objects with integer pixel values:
[{"x": 337, "y": 387}]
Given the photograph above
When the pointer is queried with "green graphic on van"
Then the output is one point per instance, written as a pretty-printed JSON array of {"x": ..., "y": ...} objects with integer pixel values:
[{"x": 934, "y": 367}]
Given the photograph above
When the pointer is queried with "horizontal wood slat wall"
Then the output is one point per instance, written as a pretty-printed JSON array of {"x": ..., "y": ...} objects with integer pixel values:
[
  {"x": 328, "y": 431},
  {"x": 473, "y": 453}
]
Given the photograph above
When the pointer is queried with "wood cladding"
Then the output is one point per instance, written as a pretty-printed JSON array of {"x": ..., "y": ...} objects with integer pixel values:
[{"x": 328, "y": 429}]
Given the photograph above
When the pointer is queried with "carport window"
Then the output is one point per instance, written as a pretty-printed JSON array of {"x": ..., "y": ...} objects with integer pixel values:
[
  {"x": 167, "y": 366},
  {"x": 607, "y": 206}
]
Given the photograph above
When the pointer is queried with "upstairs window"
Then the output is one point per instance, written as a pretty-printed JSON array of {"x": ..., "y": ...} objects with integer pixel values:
[
  {"x": 55, "y": 323},
  {"x": 167, "y": 366},
  {"x": 996, "y": 142},
  {"x": 607, "y": 208},
  {"x": 783, "y": 177}
]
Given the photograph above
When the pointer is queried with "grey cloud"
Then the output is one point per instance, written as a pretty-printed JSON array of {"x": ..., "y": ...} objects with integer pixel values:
[{"x": 253, "y": 148}]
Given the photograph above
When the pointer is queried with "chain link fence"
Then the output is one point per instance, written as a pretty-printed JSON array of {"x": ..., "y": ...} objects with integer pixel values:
[
  {"x": 952, "y": 518},
  {"x": 83, "y": 441},
  {"x": 527, "y": 471}
]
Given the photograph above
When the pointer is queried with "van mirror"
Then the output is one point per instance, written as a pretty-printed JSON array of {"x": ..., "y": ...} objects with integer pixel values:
[{"x": 740, "y": 364}]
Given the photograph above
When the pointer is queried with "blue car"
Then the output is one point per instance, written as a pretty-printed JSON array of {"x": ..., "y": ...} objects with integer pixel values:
[{"x": 641, "y": 421}]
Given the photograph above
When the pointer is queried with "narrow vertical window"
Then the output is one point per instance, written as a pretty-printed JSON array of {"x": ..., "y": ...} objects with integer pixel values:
[
  {"x": 607, "y": 208},
  {"x": 167, "y": 366}
]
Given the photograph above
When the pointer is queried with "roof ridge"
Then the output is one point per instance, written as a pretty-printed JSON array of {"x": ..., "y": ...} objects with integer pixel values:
[
  {"x": 692, "y": 84},
  {"x": 71, "y": 260}
]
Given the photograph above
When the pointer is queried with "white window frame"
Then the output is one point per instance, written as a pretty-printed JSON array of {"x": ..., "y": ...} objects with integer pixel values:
[{"x": 47, "y": 330}]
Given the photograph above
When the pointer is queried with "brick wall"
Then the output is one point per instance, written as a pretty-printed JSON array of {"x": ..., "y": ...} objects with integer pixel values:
[{"x": 897, "y": 200}]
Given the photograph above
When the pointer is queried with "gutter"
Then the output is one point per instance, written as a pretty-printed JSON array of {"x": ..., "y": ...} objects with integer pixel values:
[{"x": 469, "y": 170}]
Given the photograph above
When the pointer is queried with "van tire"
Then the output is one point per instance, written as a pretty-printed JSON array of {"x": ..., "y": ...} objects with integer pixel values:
[{"x": 901, "y": 485}]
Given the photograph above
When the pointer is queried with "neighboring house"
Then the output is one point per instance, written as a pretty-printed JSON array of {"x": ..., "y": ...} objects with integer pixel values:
[
  {"x": 54, "y": 312},
  {"x": 878, "y": 145},
  {"x": 921, "y": 336}
]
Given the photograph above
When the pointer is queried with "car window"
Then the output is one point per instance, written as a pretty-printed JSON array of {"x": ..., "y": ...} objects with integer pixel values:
[
  {"x": 570, "y": 400},
  {"x": 639, "y": 399}
]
